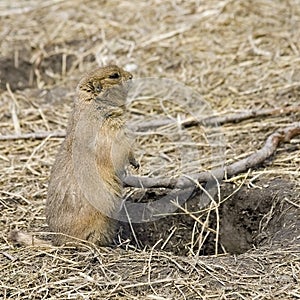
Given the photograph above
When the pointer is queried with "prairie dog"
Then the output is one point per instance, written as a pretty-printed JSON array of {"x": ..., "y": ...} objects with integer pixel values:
[{"x": 84, "y": 192}]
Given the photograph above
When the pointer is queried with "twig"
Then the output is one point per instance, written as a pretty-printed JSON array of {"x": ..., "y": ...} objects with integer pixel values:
[
  {"x": 164, "y": 36},
  {"x": 255, "y": 159},
  {"x": 291, "y": 202},
  {"x": 14, "y": 114},
  {"x": 215, "y": 120},
  {"x": 140, "y": 284},
  {"x": 23, "y": 10},
  {"x": 198, "y": 220},
  {"x": 188, "y": 122},
  {"x": 273, "y": 141},
  {"x": 32, "y": 135}
]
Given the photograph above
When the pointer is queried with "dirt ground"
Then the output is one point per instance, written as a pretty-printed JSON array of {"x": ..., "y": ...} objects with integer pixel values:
[{"x": 235, "y": 56}]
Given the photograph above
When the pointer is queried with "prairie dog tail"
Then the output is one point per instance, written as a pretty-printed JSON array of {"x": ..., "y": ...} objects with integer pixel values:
[{"x": 27, "y": 239}]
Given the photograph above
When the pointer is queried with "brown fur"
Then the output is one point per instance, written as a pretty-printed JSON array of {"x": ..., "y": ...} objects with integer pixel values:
[{"x": 96, "y": 125}]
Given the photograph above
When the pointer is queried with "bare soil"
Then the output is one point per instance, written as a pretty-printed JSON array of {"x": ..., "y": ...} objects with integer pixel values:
[{"x": 250, "y": 218}]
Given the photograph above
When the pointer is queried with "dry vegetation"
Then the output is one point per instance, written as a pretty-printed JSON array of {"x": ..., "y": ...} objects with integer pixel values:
[{"x": 238, "y": 55}]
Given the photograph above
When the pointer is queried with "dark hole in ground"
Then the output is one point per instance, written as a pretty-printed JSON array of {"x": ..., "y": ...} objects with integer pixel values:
[
  {"x": 18, "y": 76},
  {"x": 23, "y": 74},
  {"x": 250, "y": 218}
]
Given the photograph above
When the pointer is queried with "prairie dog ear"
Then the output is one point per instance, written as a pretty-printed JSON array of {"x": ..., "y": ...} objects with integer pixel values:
[
  {"x": 97, "y": 86},
  {"x": 92, "y": 86}
]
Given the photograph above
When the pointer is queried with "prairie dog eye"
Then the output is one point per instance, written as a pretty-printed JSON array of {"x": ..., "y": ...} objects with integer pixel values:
[{"x": 114, "y": 75}]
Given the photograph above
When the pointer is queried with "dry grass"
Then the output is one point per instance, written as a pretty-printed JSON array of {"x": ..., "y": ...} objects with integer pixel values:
[
  {"x": 95, "y": 274},
  {"x": 237, "y": 54}
]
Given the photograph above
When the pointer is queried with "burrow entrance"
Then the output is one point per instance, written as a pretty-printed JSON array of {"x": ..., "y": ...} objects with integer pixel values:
[{"x": 249, "y": 218}]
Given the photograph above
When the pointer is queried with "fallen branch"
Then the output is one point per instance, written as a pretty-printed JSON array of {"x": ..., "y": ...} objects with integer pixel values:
[
  {"x": 144, "y": 126},
  {"x": 33, "y": 136},
  {"x": 217, "y": 120},
  {"x": 255, "y": 159}
]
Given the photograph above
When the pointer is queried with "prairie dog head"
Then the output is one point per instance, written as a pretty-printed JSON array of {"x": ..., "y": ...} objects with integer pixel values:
[{"x": 107, "y": 83}]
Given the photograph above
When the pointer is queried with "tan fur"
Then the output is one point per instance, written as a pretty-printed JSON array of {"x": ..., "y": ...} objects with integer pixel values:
[
  {"x": 97, "y": 123},
  {"x": 26, "y": 239}
]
